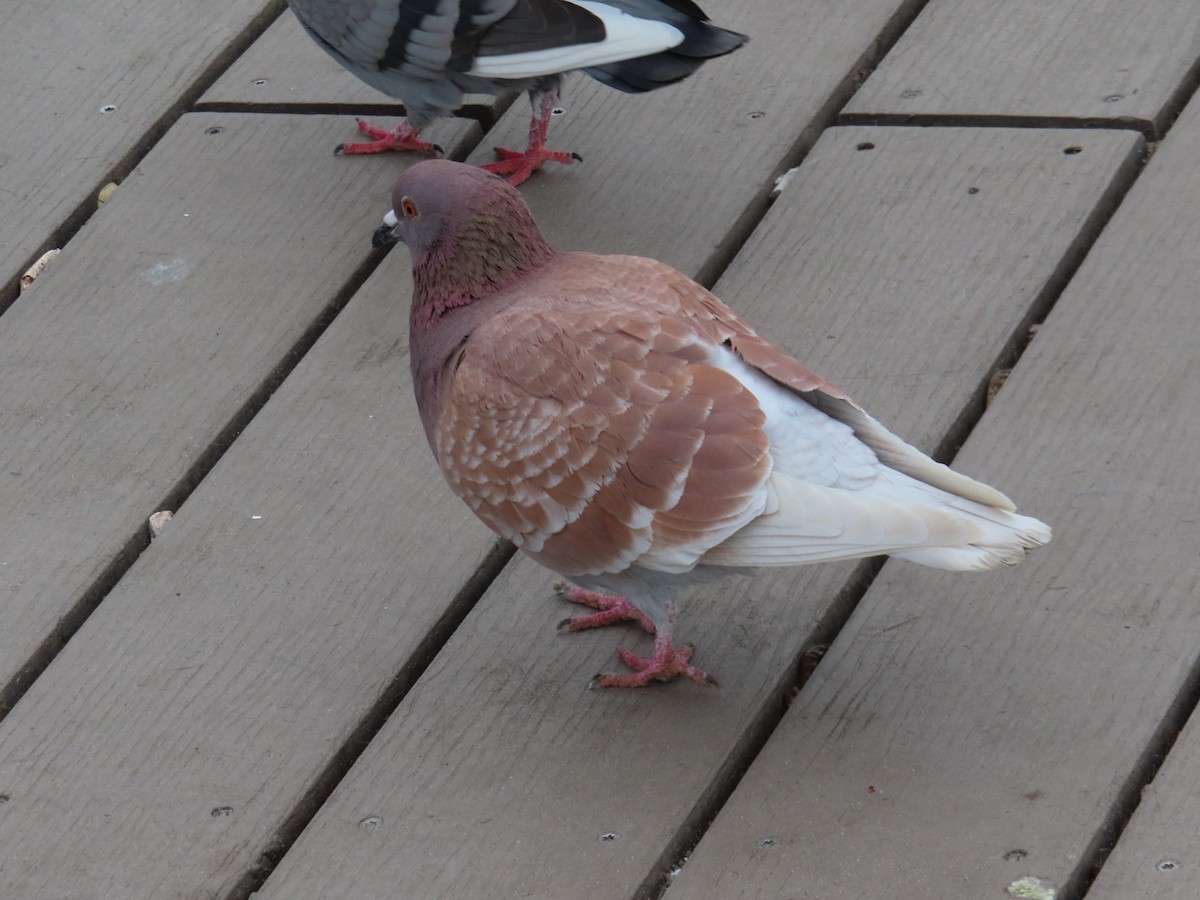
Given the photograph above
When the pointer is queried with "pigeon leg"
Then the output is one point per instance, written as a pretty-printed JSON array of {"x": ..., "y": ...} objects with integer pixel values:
[
  {"x": 612, "y": 610},
  {"x": 403, "y": 137},
  {"x": 519, "y": 165},
  {"x": 667, "y": 662}
]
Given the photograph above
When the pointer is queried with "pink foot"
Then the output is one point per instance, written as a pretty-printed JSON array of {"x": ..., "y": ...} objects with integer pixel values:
[
  {"x": 667, "y": 662},
  {"x": 403, "y": 137},
  {"x": 518, "y": 165},
  {"x": 612, "y": 610}
]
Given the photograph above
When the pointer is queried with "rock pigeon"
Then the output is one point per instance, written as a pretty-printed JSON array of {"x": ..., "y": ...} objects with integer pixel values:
[
  {"x": 625, "y": 428},
  {"x": 428, "y": 53}
]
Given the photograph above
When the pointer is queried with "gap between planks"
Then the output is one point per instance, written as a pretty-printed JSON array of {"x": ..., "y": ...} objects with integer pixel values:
[
  {"x": 973, "y": 120},
  {"x": 1148, "y": 128},
  {"x": 827, "y": 117},
  {"x": 86, "y": 208},
  {"x": 714, "y": 798},
  {"x": 134, "y": 546},
  {"x": 1129, "y": 796},
  {"x": 1092, "y": 860},
  {"x": 486, "y": 115},
  {"x": 374, "y": 719}
]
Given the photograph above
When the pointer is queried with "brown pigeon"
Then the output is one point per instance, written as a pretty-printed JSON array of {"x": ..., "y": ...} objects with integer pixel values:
[
  {"x": 428, "y": 53},
  {"x": 625, "y": 428}
]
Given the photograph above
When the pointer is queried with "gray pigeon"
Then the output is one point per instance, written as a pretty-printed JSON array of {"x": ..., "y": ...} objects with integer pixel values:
[{"x": 429, "y": 53}]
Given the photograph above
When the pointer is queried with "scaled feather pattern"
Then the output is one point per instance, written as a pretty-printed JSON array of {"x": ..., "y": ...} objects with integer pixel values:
[
  {"x": 625, "y": 428},
  {"x": 429, "y": 53}
]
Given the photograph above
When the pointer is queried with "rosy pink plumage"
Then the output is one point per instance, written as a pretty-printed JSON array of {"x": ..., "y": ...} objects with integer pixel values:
[{"x": 626, "y": 429}]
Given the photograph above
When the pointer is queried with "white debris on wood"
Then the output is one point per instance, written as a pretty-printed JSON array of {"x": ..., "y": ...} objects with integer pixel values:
[
  {"x": 781, "y": 182},
  {"x": 158, "y": 522},
  {"x": 1032, "y": 888},
  {"x": 105, "y": 193},
  {"x": 37, "y": 268}
]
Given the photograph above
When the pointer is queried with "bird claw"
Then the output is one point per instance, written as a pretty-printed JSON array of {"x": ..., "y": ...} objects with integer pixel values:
[
  {"x": 518, "y": 165},
  {"x": 611, "y": 610},
  {"x": 402, "y": 137},
  {"x": 667, "y": 663}
]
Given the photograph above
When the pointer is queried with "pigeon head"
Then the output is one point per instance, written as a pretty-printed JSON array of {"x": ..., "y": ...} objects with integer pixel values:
[{"x": 469, "y": 234}]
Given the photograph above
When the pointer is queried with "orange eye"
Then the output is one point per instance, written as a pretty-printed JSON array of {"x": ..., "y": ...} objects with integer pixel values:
[{"x": 409, "y": 208}]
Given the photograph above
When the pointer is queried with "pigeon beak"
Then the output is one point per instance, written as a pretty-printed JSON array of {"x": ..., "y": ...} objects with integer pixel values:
[{"x": 386, "y": 233}]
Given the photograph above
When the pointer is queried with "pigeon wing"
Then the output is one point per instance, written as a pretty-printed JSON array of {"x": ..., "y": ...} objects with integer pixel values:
[
  {"x": 829, "y": 399},
  {"x": 596, "y": 440}
]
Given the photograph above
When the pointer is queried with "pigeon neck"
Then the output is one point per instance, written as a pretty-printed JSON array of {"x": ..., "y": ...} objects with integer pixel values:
[{"x": 472, "y": 265}]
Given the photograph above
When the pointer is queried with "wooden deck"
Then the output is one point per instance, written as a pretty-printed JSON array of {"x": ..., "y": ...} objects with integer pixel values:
[{"x": 326, "y": 680}]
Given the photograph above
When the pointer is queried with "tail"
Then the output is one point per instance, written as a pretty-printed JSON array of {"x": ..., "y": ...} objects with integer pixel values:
[
  {"x": 899, "y": 516},
  {"x": 701, "y": 41},
  {"x": 1001, "y": 539}
]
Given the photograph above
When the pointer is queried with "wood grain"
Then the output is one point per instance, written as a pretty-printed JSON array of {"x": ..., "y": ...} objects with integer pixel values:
[
  {"x": 964, "y": 733},
  {"x": 1156, "y": 856},
  {"x": 158, "y": 321},
  {"x": 63, "y": 66},
  {"x": 194, "y": 709},
  {"x": 1152, "y": 258},
  {"x": 500, "y": 774},
  {"x": 1081, "y": 59}
]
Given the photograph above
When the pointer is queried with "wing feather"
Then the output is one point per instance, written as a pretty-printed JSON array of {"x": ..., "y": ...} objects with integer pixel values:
[{"x": 644, "y": 456}]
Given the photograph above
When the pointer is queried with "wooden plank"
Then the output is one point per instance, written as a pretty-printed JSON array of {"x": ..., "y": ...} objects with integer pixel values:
[
  {"x": 1102, "y": 60},
  {"x": 962, "y": 734},
  {"x": 62, "y": 66},
  {"x": 1154, "y": 257},
  {"x": 158, "y": 321},
  {"x": 500, "y": 775},
  {"x": 285, "y": 70},
  {"x": 1156, "y": 856},
  {"x": 194, "y": 709}
]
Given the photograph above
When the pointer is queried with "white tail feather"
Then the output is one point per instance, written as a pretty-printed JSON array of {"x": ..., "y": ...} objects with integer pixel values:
[{"x": 899, "y": 516}]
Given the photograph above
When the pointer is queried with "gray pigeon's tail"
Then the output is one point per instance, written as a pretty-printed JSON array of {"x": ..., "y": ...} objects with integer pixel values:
[{"x": 701, "y": 41}]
